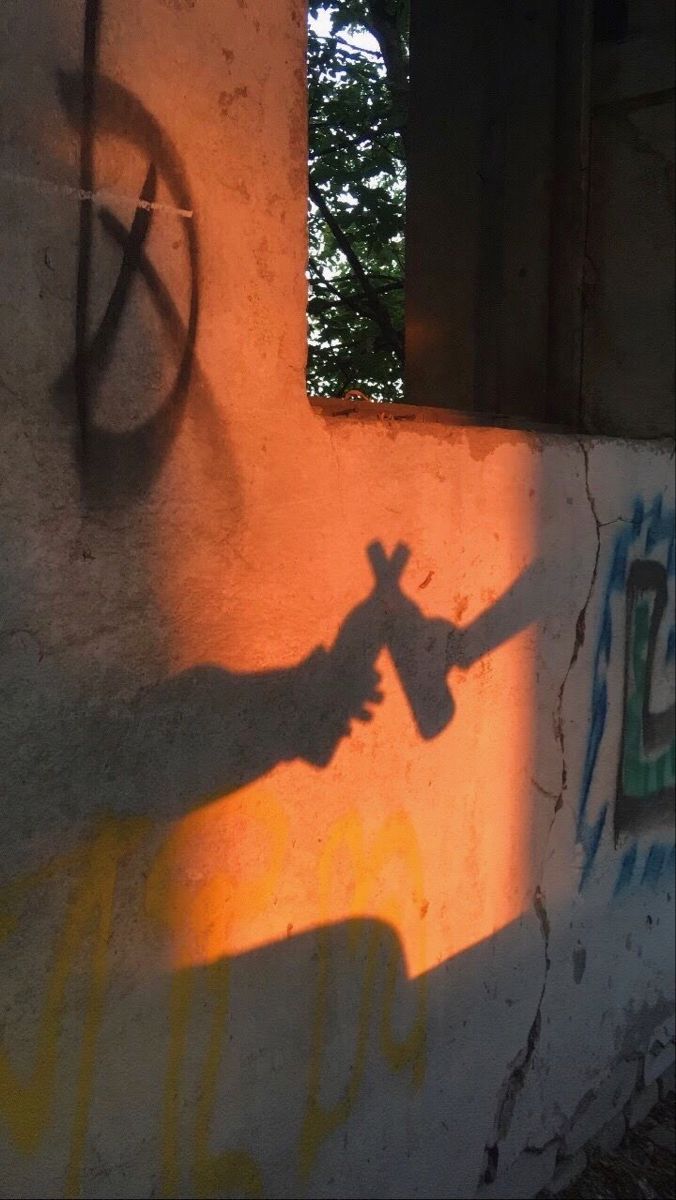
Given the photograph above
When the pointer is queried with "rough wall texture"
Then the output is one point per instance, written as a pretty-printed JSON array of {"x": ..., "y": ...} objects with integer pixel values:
[{"x": 242, "y": 952}]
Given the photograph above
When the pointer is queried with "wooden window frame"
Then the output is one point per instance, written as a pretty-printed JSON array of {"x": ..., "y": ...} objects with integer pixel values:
[{"x": 498, "y": 173}]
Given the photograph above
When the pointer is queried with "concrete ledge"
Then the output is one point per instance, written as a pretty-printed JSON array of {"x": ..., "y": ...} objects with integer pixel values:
[{"x": 357, "y": 405}]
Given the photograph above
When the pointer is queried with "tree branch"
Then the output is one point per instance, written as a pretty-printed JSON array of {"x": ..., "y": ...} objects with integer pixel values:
[
  {"x": 391, "y": 336},
  {"x": 358, "y": 52},
  {"x": 351, "y": 300},
  {"x": 382, "y": 25},
  {"x": 352, "y": 145}
]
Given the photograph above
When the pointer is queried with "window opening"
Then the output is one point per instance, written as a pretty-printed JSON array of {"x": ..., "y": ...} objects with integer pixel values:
[
  {"x": 516, "y": 148},
  {"x": 358, "y": 109}
]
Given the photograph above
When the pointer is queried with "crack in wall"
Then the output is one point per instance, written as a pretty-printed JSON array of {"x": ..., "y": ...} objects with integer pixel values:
[
  {"x": 580, "y": 632},
  {"x": 520, "y": 1065},
  {"x": 545, "y": 791}
]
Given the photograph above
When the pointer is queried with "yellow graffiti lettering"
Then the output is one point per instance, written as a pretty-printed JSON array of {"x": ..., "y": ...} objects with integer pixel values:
[
  {"x": 203, "y": 905},
  {"x": 192, "y": 890},
  {"x": 27, "y": 1104},
  {"x": 232, "y": 1171},
  {"x": 214, "y": 1174},
  {"x": 179, "y": 1014},
  {"x": 395, "y": 842}
]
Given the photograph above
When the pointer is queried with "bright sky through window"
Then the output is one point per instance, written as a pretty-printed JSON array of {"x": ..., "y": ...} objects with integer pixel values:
[{"x": 357, "y": 201}]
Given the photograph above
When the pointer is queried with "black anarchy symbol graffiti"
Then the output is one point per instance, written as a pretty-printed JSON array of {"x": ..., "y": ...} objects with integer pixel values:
[{"x": 123, "y": 464}]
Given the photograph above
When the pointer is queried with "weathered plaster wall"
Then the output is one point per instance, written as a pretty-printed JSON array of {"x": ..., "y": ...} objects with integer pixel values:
[{"x": 242, "y": 953}]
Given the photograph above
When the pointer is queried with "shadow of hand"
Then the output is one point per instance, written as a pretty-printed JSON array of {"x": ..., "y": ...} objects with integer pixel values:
[
  {"x": 341, "y": 684},
  {"x": 338, "y": 686},
  {"x": 344, "y": 682},
  {"x": 421, "y": 647}
]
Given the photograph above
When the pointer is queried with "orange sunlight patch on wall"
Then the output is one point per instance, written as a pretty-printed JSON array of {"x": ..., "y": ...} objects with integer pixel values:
[{"x": 429, "y": 836}]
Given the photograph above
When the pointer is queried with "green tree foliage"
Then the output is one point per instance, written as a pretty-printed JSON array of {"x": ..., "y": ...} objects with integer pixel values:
[{"x": 358, "y": 87}]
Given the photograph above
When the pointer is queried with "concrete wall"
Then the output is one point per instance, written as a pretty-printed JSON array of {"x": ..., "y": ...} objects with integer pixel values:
[{"x": 243, "y": 953}]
